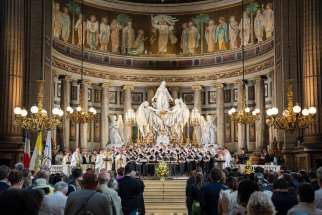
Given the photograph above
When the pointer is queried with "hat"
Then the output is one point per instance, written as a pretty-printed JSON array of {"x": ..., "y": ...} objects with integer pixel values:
[{"x": 40, "y": 183}]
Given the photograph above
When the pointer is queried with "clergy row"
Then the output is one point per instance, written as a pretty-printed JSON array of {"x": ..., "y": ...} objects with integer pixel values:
[
  {"x": 181, "y": 161},
  {"x": 120, "y": 35}
]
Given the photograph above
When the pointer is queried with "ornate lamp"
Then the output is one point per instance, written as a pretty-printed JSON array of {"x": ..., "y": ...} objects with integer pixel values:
[
  {"x": 130, "y": 120},
  {"x": 293, "y": 117},
  {"x": 244, "y": 115},
  {"x": 38, "y": 118}
]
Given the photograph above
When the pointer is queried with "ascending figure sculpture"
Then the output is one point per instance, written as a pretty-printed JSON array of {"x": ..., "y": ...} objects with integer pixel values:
[
  {"x": 233, "y": 32},
  {"x": 116, "y": 131},
  {"x": 244, "y": 28},
  {"x": 65, "y": 19},
  {"x": 161, "y": 98},
  {"x": 259, "y": 25},
  {"x": 268, "y": 15},
  {"x": 208, "y": 131},
  {"x": 161, "y": 119}
]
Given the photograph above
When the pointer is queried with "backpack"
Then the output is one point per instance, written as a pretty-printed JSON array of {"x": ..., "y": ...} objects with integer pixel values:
[{"x": 82, "y": 209}]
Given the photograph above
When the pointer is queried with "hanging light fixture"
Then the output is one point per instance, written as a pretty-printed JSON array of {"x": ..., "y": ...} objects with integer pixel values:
[
  {"x": 38, "y": 118},
  {"x": 245, "y": 115},
  {"x": 294, "y": 116},
  {"x": 79, "y": 115}
]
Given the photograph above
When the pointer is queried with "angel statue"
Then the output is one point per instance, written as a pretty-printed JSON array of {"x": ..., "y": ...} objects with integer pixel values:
[
  {"x": 165, "y": 26},
  {"x": 208, "y": 131},
  {"x": 161, "y": 98},
  {"x": 146, "y": 118},
  {"x": 178, "y": 117},
  {"x": 116, "y": 131}
]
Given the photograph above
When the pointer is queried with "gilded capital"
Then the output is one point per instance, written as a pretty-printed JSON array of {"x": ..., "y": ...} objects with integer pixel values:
[
  {"x": 219, "y": 85},
  {"x": 196, "y": 87},
  {"x": 106, "y": 85},
  {"x": 128, "y": 87}
]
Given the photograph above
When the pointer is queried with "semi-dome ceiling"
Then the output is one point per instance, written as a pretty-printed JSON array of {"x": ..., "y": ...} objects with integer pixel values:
[{"x": 162, "y": 1}]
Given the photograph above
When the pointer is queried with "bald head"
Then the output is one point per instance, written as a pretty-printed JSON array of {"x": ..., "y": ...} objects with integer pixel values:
[{"x": 104, "y": 177}]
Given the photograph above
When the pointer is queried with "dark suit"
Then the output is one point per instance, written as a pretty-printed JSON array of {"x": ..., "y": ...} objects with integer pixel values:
[
  {"x": 209, "y": 198},
  {"x": 3, "y": 186},
  {"x": 130, "y": 190}
]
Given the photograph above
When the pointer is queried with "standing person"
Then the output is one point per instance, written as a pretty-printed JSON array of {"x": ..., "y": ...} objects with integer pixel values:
[
  {"x": 210, "y": 193},
  {"x": 130, "y": 190},
  {"x": 54, "y": 204},
  {"x": 59, "y": 157},
  {"x": 87, "y": 199},
  {"x": 318, "y": 193},
  {"x": 282, "y": 199},
  {"x": 16, "y": 179},
  {"x": 306, "y": 204},
  {"x": 196, "y": 194},
  {"x": 73, "y": 181},
  {"x": 228, "y": 198},
  {"x": 260, "y": 203},
  {"x": 245, "y": 189},
  {"x": 4, "y": 173},
  {"x": 112, "y": 195}
]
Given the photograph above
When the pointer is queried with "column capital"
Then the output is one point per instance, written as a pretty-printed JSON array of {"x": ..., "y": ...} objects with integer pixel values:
[
  {"x": 174, "y": 88},
  {"x": 85, "y": 82},
  {"x": 196, "y": 87},
  {"x": 106, "y": 85},
  {"x": 65, "y": 77},
  {"x": 128, "y": 87},
  {"x": 219, "y": 85}
]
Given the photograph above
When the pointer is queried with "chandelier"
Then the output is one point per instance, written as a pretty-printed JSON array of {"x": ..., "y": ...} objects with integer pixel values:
[
  {"x": 292, "y": 117},
  {"x": 130, "y": 117},
  {"x": 38, "y": 118},
  {"x": 244, "y": 115}
]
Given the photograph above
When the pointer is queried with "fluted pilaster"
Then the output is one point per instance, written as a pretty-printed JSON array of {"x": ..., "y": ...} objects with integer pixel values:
[
  {"x": 312, "y": 66},
  {"x": 220, "y": 112},
  {"x": 84, "y": 104},
  {"x": 104, "y": 114},
  {"x": 242, "y": 143},
  {"x": 197, "y": 104},
  {"x": 64, "y": 103},
  {"x": 127, "y": 106},
  {"x": 12, "y": 57},
  {"x": 260, "y": 104}
]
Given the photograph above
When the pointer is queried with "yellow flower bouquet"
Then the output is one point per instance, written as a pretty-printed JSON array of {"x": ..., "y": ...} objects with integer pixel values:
[{"x": 162, "y": 169}]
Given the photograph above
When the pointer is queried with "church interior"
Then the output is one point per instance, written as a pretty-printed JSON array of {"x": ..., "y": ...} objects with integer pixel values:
[{"x": 239, "y": 80}]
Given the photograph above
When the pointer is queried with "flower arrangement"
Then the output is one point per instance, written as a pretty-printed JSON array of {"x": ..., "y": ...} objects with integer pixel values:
[
  {"x": 162, "y": 169},
  {"x": 248, "y": 168}
]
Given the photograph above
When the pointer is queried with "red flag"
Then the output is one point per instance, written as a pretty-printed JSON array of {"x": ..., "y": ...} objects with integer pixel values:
[{"x": 26, "y": 151}]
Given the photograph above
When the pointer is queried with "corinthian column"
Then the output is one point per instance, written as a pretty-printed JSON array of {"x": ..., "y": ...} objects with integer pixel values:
[
  {"x": 197, "y": 105},
  {"x": 312, "y": 66},
  {"x": 127, "y": 106},
  {"x": 220, "y": 112},
  {"x": 241, "y": 127},
  {"x": 104, "y": 114},
  {"x": 12, "y": 57},
  {"x": 260, "y": 104},
  {"x": 64, "y": 103},
  {"x": 84, "y": 104}
]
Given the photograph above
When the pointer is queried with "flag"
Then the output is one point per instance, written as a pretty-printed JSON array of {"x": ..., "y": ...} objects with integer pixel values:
[
  {"x": 35, "y": 160},
  {"x": 26, "y": 151},
  {"x": 47, "y": 152}
]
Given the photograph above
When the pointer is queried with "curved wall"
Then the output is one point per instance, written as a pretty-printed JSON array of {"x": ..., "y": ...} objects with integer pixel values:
[{"x": 109, "y": 31}]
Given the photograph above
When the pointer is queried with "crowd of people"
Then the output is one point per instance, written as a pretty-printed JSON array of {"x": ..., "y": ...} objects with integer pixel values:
[
  {"x": 260, "y": 193},
  {"x": 84, "y": 192},
  {"x": 181, "y": 160}
]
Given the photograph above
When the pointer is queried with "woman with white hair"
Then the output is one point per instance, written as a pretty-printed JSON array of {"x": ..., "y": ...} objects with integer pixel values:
[{"x": 260, "y": 203}]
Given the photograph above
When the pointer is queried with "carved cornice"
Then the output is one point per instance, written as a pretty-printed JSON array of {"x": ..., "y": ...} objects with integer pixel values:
[
  {"x": 140, "y": 8},
  {"x": 149, "y": 76}
]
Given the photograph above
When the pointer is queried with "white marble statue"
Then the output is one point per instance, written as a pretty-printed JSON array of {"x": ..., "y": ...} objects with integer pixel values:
[
  {"x": 162, "y": 119},
  {"x": 116, "y": 132},
  {"x": 244, "y": 28},
  {"x": 259, "y": 25},
  {"x": 162, "y": 97},
  {"x": 208, "y": 131}
]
